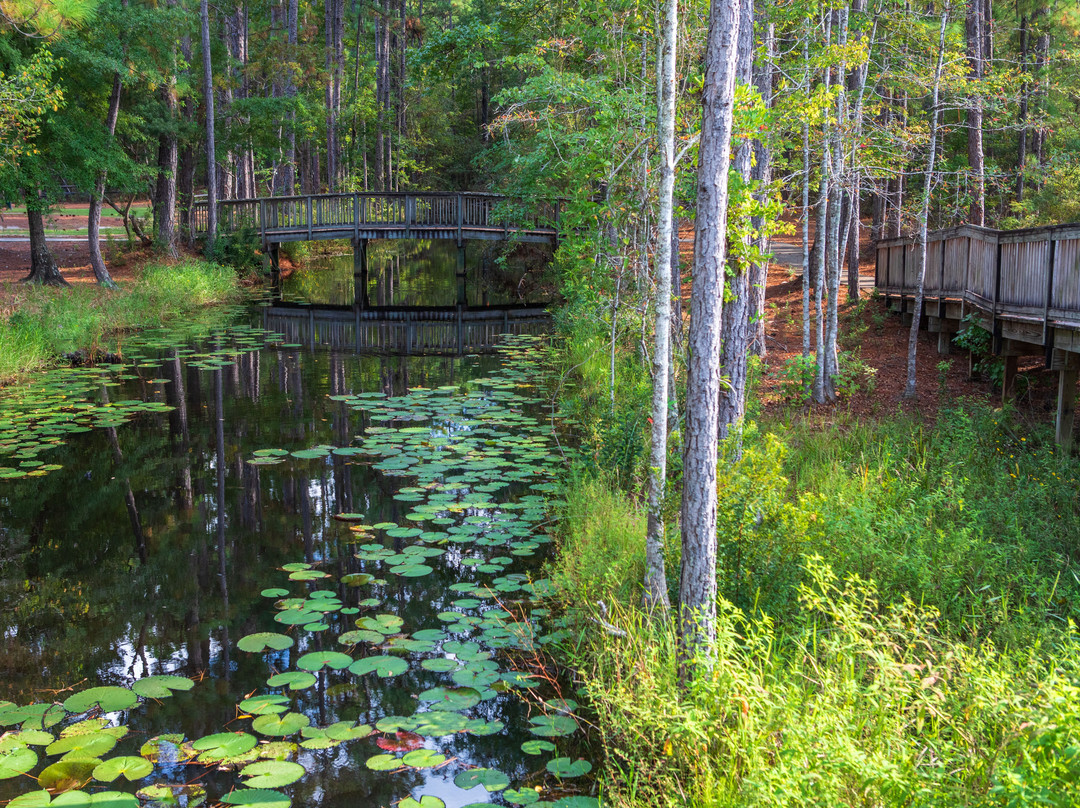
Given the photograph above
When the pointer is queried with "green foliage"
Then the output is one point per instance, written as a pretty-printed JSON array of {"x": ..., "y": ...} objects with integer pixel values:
[
  {"x": 50, "y": 323},
  {"x": 238, "y": 249},
  {"x": 979, "y": 341}
]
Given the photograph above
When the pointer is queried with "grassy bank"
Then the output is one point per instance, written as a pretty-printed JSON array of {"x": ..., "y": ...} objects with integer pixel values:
[
  {"x": 897, "y": 610},
  {"x": 42, "y": 324}
]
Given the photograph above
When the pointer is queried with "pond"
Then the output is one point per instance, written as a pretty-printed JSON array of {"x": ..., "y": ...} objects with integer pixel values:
[{"x": 236, "y": 570}]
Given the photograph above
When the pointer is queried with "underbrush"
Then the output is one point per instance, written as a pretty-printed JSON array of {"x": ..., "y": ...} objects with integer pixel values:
[
  {"x": 49, "y": 323},
  {"x": 931, "y": 659}
]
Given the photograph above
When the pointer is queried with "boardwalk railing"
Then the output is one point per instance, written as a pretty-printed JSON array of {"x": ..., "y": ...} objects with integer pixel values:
[
  {"x": 1026, "y": 276},
  {"x": 456, "y": 216}
]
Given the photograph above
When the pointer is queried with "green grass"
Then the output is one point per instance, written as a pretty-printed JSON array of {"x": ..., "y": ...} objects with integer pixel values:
[{"x": 45, "y": 323}]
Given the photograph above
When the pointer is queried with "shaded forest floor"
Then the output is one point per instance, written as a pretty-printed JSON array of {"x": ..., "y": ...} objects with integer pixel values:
[{"x": 876, "y": 340}]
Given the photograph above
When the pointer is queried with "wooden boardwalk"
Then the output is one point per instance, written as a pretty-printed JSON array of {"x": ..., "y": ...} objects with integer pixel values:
[
  {"x": 1023, "y": 286},
  {"x": 458, "y": 216}
]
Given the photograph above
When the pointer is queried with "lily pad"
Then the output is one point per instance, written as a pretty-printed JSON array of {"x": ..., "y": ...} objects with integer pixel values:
[
  {"x": 264, "y": 640},
  {"x": 552, "y": 726},
  {"x": 383, "y": 763},
  {"x": 87, "y": 745},
  {"x": 294, "y": 680},
  {"x": 128, "y": 766},
  {"x": 217, "y": 747},
  {"x": 164, "y": 794},
  {"x": 384, "y": 666},
  {"x": 280, "y": 725},
  {"x": 451, "y": 698},
  {"x": 161, "y": 687},
  {"x": 272, "y": 773},
  {"x": 66, "y": 775},
  {"x": 17, "y": 761},
  {"x": 267, "y": 704},
  {"x": 490, "y": 779},
  {"x": 537, "y": 747},
  {"x": 109, "y": 699},
  {"x": 423, "y": 759},
  {"x": 567, "y": 767},
  {"x": 426, "y": 801},
  {"x": 317, "y": 660},
  {"x": 257, "y": 797}
]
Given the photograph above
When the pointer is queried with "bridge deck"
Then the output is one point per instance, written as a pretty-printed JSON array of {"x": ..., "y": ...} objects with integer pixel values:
[
  {"x": 1023, "y": 286},
  {"x": 454, "y": 216}
]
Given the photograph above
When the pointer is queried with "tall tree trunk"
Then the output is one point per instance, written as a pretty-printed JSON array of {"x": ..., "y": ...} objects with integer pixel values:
[
  {"x": 924, "y": 211},
  {"x": 43, "y": 267},
  {"x": 165, "y": 198},
  {"x": 656, "y": 591},
  {"x": 93, "y": 216},
  {"x": 1022, "y": 135},
  {"x": 735, "y": 322},
  {"x": 185, "y": 167},
  {"x": 973, "y": 29},
  {"x": 211, "y": 153},
  {"x": 806, "y": 156},
  {"x": 697, "y": 579},
  {"x": 761, "y": 173},
  {"x": 836, "y": 220}
]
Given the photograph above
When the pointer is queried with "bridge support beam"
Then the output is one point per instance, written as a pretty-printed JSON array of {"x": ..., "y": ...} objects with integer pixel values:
[
  {"x": 461, "y": 296},
  {"x": 360, "y": 273},
  {"x": 273, "y": 262},
  {"x": 1067, "y": 365}
]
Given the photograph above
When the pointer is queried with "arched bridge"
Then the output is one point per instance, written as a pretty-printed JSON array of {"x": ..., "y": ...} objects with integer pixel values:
[{"x": 458, "y": 216}]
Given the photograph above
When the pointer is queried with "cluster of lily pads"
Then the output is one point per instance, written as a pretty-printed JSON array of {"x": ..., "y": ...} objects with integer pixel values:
[{"x": 42, "y": 414}]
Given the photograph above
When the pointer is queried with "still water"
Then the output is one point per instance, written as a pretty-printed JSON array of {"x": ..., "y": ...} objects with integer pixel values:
[{"x": 340, "y": 555}]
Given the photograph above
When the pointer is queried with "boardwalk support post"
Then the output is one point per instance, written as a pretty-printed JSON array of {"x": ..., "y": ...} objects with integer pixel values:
[
  {"x": 1066, "y": 401},
  {"x": 461, "y": 297}
]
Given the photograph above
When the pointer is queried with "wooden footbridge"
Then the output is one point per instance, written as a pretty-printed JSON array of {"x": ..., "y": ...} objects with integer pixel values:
[{"x": 1023, "y": 286}]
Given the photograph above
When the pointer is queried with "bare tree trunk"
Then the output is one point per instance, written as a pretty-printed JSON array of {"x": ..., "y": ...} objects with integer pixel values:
[
  {"x": 211, "y": 152},
  {"x": 697, "y": 580},
  {"x": 806, "y": 205},
  {"x": 735, "y": 321},
  {"x": 43, "y": 267},
  {"x": 1021, "y": 155},
  {"x": 166, "y": 179},
  {"x": 973, "y": 26},
  {"x": 761, "y": 173},
  {"x": 656, "y": 591},
  {"x": 924, "y": 212},
  {"x": 836, "y": 219},
  {"x": 93, "y": 216}
]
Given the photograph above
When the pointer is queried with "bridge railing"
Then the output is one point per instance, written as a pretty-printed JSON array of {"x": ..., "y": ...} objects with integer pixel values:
[
  {"x": 313, "y": 214},
  {"x": 1031, "y": 275}
]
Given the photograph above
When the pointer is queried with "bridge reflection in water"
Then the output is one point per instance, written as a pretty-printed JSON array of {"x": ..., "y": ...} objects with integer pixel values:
[{"x": 404, "y": 330}]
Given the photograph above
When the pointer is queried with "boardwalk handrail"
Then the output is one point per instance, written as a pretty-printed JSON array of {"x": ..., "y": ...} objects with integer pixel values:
[
  {"x": 450, "y": 215},
  {"x": 1030, "y": 275}
]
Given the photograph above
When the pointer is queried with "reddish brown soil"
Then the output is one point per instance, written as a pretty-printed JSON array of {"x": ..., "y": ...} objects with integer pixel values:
[{"x": 882, "y": 344}]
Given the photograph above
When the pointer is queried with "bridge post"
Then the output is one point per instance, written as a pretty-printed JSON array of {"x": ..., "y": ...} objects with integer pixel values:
[
  {"x": 360, "y": 273},
  {"x": 273, "y": 259},
  {"x": 1066, "y": 401},
  {"x": 461, "y": 296}
]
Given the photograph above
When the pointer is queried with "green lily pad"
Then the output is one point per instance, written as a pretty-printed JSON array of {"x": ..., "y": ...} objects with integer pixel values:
[
  {"x": 280, "y": 725},
  {"x": 423, "y": 759},
  {"x": 451, "y": 698},
  {"x": 257, "y": 798},
  {"x": 217, "y": 747},
  {"x": 161, "y": 687},
  {"x": 66, "y": 775},
  {"x": 33, "y": 799},
  {"x": 112, "y": 799},
  {"x": 490, "y": 779},
  {"x": 275, "y": 592},
  {"x": 264, "y": 640},
  {"x": 172, "y": 746},
  {"x": 384, "y": 666},
  {"x": 294, "y": 680},
  {"x": 109, "y": 699},
  {"x": 552, "y": 726},
  {"x": 522, "y": 796},
  {"x": 317, "y": 660},
  {"x": 267, "y": 704},
  {"x": 383, "y": 763},
  {"x": 164, "y": 794},
  {"x": 567, "y": 767},
  {"x": 127, "y": 766},
  {"x": 87, "y": 745},
  {"x": 272, "y": 773},
  {"x": 537, "y": 747},
  {"x": 17, "y": 761},
  {"x": 426, "y": 801},
  {"x": 440, "y": 664}
]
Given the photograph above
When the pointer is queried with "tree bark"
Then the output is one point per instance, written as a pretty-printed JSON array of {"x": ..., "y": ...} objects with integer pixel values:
[
  {"x": 697, "y": 580},
  {"x": 924, "y": 212},
  {"x": 43, "y": 267},
  {"x": 973, "y": 28},
  {"x": 656, "y": 590},
  {"x": 211, "y": 153},
  {"x": 93, "y": 216},
  {"x": 166, "y": 179},
  {"x": 761, "y": 173}
]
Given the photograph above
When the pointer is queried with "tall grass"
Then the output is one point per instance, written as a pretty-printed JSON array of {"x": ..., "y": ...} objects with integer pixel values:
[
  {"x": 44, "y": 324},
  {"x": 933, "y": 660}
]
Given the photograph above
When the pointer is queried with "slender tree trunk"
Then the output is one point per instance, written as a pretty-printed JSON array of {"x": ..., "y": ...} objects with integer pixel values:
[
  {"x": 761, "y": 173},
  {"x": 656, "y": 590},
  {"x": 836, "y": 220},
  {"x": 973, "y": 27},
  {"x": 93, "y": 216},
  {"x": 1021, "y": 152},
  {"x": 43, "y": 267},
  {"x": 166, "y": 179},
  {"x": 924, "y": 211},
  {"x": 211, "y": 153},
  {"x": 697, "y": 580},
  {"x": 806, "y": 275},
  {"x": 735, "y": 322}
]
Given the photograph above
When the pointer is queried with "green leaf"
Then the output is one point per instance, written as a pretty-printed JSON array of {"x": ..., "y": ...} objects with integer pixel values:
[
  {"x": 383, "y": 763},
  {"x": 384, "y": 666},
  {"x": 566, "y": 767},
  {"x": 426, "y": 801},
  {"x": 294, "y": 680},
  {"x": 109, "y": 699},
  {"x": 490, "y": 779},
  {"x": 272, "y": 773},
  {"x": 257, "y": 798},
  {"x": 130, "y": 767},
  {"x": 17, "y": 761},
  {"x": 66, "y": 775},
  {"x": 317, "y": 660},
  {"x": 161, "y": 687},
  {"x": 267, "y": 704},
  {"x": 264, "y": 640},
  {"x": 280, "y": 725},
  {"x": 423, "y": 759},
  {"x": 217, "y": 747},
  {"x": 451, "y": 698},
  {"x": 537, "y": 747},
  {"x": 86, "y": 745}
]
